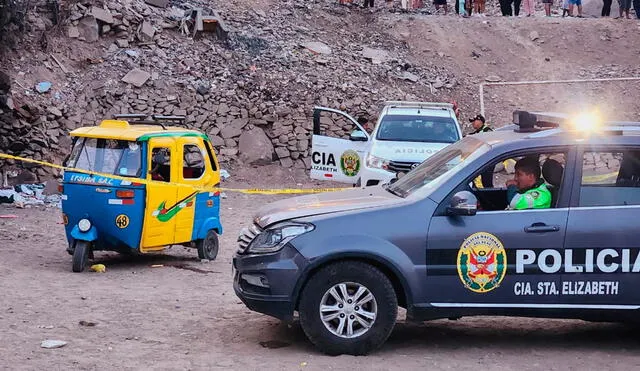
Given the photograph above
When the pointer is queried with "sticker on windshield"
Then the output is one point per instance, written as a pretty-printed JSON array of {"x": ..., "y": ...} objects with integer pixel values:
[
  {"x": 350, "y": 162},
  {"x": 482, "y": 262}
]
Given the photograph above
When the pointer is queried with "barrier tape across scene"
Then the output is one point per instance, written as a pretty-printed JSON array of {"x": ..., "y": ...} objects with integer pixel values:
[
  {"x": 200, "y": 188},
  {"x": 589, "y": 178}
]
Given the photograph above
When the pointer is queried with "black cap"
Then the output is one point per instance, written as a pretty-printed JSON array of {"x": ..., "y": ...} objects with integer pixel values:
[{"x": 478, "y": 117}]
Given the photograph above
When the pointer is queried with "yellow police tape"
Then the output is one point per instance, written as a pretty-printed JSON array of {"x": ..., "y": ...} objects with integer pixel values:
[
  {"x": 205, "y": 189},
  {"x": 590, "y": 179}
]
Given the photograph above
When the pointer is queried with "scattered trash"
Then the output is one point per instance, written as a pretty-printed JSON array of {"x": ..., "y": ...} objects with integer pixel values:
[
  {"x": 132, "y": 53},
  {"x": 100, "y": 268},
  {"x": 43, "y": 87},
  {"x": 87, "y": 323},
  {"x": 303, "y": 364},
  {"x": 157, "y": 266},
  {"x": 47, "y": 327},
  {"x": 10, "y": 216},
  {"x": 53, "y": 344},
  {"x": 29, "y": 194},
  {"x": 224, "y": 174},
  {"x": 95, "y": 60}
]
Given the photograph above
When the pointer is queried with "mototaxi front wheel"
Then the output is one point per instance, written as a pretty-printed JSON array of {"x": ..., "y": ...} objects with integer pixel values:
[{"x": 80, "y": 255}]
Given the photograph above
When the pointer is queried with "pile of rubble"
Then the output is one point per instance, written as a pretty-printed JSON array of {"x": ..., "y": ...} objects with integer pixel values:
[{"x": 249, "y": 78}]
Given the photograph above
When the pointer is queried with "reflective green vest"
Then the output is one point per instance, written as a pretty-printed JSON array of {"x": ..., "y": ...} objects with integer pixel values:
[{"x": 535, "y": 198}]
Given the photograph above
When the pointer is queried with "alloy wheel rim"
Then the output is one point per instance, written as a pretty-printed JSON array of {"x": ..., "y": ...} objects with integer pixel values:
[{"x": 348, "y": 310}]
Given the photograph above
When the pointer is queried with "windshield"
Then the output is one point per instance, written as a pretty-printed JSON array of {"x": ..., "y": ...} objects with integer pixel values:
[
  {"x": 407, "y": 128},
  {"x": 440, "y": 166},
  {"x": 110, "y": 156}
]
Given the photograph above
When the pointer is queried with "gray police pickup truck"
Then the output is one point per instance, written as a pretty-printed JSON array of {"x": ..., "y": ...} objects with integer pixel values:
[{"x": 435, "y": 244}]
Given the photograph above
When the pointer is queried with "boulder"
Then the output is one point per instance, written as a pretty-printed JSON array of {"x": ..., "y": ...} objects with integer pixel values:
[{"x": 255, "y": 147}]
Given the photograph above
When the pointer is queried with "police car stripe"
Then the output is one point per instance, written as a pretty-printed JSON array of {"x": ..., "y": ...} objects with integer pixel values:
[{"x": 541, "y": 306}]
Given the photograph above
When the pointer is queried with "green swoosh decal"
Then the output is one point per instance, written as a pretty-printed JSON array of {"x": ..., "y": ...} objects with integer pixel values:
[{"x": 164, "y": 214}]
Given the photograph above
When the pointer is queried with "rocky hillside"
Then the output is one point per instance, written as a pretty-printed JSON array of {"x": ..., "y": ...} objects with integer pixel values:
[{"x": 251, "y": 77}]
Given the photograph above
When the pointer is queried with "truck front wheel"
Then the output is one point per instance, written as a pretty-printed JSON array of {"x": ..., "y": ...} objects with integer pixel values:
[{"x": 348, "y": 308}]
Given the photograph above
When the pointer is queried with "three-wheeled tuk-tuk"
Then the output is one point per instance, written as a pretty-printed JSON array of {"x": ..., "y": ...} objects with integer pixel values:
[{"x": 159, "y": 196}]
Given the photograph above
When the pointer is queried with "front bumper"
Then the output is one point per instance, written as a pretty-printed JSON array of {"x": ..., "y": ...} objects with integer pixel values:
[
  {"x": 373, "y": 176},
  {"x": 266, "y": 282}
]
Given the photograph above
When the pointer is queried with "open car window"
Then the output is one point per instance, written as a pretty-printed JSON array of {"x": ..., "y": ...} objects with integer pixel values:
[
  {"x": 610, "y": 178},
  {"x": 489, "y": 184}
]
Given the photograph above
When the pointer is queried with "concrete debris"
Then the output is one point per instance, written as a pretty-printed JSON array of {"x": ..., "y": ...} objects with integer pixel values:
[
  {"x": 53, "y": 344},
  {"x": 88, "y": 29},
  {"x": 158, "y": 3},
  {"x": 146, "y": 32},
  {"x": 534, "y": 35},
  {"x": 136, "y": 77},
  {"x": 377, "y": 56},
  {"x": 409, "y": 76},
  {"x": 122, "y": 43},
  {"x": 255, "y": 147},
  {"x": 317, "y": 47},
  {"x": 73, "y": 32},
  {"x": 102, "y": 14},
  {"x": 55, "y": 111}
]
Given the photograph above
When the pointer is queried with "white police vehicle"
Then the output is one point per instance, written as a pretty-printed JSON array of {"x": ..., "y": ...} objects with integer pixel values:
[{"x": 406, "y": 134}]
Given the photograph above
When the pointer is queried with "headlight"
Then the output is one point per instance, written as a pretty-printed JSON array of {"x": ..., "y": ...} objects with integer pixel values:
[
  {"x": 84, "y": 225},
  {"x": 377, "y": 162},
  {"x": 274, "y": 238}
]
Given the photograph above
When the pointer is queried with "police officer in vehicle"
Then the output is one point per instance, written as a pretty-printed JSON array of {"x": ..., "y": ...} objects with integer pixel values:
[{"x": 527, "y": 190}]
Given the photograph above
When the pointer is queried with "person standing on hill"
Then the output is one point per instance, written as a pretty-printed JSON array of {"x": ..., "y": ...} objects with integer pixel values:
[
  {"x": 625, "y": 7},
  {"x": 606, "y": 8},
  {"x": 547, "y": 7},
  {"x": 529, "y": 7}
]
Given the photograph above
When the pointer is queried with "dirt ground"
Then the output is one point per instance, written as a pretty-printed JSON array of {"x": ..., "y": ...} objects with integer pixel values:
[{"x": 185, "y": 315}]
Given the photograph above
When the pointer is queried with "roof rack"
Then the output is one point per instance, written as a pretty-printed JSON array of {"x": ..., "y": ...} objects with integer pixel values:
[
  {"x": 129, "y": 116},
  {"x": 394, "y": 103},
  {"x": 168, "y": 118},
  {"x": 155, "y": 119}
]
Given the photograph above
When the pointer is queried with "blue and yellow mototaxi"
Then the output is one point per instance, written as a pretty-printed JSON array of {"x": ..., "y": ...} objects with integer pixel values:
[{"x": 161, "y": 192}]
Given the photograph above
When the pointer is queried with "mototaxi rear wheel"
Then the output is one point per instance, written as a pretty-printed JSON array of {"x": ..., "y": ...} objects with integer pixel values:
[{"x": 208, "y": 247}]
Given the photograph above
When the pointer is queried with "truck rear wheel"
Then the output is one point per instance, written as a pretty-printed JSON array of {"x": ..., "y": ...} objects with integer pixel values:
[{"x": 348, "y": 308}]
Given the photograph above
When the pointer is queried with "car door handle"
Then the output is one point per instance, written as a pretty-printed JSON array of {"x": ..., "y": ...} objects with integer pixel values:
[{"x": 541, "y": 228}]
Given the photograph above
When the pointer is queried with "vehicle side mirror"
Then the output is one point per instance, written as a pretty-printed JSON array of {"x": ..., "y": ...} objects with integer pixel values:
[
  {"x": 358, "y": 136},
  {"x": 463, "y": 203}
]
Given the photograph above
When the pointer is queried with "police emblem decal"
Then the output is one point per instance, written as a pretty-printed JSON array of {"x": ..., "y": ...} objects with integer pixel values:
[
  {"x": 482, "y": 262},
  {"x": 350, "y": 162}
]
